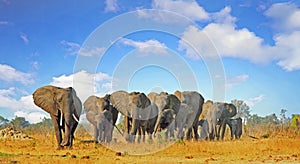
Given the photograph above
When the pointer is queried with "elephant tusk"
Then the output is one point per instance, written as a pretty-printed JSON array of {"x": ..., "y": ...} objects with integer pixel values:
[{"x": 75, "y": 118}]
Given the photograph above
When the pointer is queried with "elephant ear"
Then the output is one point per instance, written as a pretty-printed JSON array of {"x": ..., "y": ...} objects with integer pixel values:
[
  {"x": 44, "y": 98},
  {"x": 229, "y": 111},
  {"x": 76, "y": 102},
  {"x": 121, "y": 101},
  {"x": 145, "y": 102},
  {"x": 90, "y": 104},
  {"x": 205, "y": 108},
  {"x": 178, "y": 95},
  {"x": 152, "y": 96},
  {"x": 173, "y": 103}
]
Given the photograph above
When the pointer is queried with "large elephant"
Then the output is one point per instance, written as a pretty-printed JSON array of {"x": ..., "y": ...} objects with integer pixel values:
[
  {"x": 105, "y": 126},
  {"x": 62, "y": 104},
  {"x": 194, "y": 100},
  {"x": 94, "y": 106},
  {"x": 136, "y": 107},
  {"x": 219, "y": 113},
  {"x": 165, "y": 101}
]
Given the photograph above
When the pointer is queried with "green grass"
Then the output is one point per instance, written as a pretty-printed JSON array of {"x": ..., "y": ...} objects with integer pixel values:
[{"x": 5, "y": 155}]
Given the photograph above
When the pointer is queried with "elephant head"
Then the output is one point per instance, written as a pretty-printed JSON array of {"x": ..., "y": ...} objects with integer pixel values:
[
  {"x": 219, "y": 112},
  {"x": 95, "y": 106},
  {"x": 164, "y": 101},
  {"x": 132, "y": 106},
  {"x": 60, "y": 103}
]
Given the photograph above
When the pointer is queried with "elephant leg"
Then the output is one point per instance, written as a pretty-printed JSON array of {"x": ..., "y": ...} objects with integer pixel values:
[
  {"x": 109, "y": 132},
  {"x": 72, "y": 132},
  {"x": 134, "y": 128},
  {"x": 223, "y": 126},
  {"x": 57, "y": 129},
  {"x": 126, "y": 127},
  {"x": 195, "y": 129},
  {"x": 139, "y": 134},
  {"x": 68, "y": 125},
  {"x": 96, "y": 133},
  {"x": 101, "y": 136},
  {"x": 144, "y": 133},
  {"x": 188, "y": 133}
]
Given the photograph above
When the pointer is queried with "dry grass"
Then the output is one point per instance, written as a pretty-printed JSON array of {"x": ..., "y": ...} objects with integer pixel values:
[{"x": 42, "y": 150}]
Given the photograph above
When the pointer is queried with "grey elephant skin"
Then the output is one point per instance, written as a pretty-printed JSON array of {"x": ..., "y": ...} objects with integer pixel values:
[
  {"x": 194, "y": 101},
  {"x": 166, "y": 121},
  {"x": 94, "y": 107},
  {"x": 136, "y": 107},
  {"x": 218, "y": 113},
  {"x": 62, "y": 104},
  {"x": 105, "y": 126},
  {"x": 235, "y": 126},
  {"x": 169, "y": 102}
]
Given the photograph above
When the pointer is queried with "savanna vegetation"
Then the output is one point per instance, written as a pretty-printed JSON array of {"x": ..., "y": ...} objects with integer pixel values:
[{"x": 270, "y": 138}]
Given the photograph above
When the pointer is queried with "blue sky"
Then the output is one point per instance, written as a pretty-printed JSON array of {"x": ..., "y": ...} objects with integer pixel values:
[{"x": 247, "y": 50}]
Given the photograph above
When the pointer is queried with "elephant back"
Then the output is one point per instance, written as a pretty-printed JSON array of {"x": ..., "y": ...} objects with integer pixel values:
[{"x": 44, "y": 97}]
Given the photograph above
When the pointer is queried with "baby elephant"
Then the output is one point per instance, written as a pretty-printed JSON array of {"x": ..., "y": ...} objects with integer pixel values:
[
  {"x": 235, "y": 126},
  {"x": 105, "y": 126}
]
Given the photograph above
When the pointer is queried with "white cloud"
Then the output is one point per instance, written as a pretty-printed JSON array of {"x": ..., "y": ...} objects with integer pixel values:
[
  {"x": 285, "y": 16},
  {"x": 10, "y": 74},
  {"x": 111, "y": 6},
  {"x": 228, "y": 42},
  {"x": 190, "y": 9},
  {"x": 35, "y": 65},
  {"x": 24, "y": 38},
  {"x": 253, "y": 101},
  {"x": 32, "y": 117},
  {"x": 91, "y": 51},
  {"x": 145, "y": 48},
  {"x": 288, "y": 46},
  {"x": 84, "y": 83},
  {"x": 4, "y": 23},
  {"x": 71, "y": 47},
  {"x": 22, "y": 107},
  {"x": 223, "y": 16},
  {"x": 236, "y": 80}
]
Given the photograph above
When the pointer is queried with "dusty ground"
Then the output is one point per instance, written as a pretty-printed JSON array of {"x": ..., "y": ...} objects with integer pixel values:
[{"x": 42, "y": 150}]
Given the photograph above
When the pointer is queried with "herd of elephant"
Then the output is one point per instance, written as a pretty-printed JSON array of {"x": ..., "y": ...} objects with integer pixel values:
[{"x": 178, "y": 114}]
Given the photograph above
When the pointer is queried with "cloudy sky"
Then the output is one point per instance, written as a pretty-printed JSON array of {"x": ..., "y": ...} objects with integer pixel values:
[{"x": 247, "y": 50}]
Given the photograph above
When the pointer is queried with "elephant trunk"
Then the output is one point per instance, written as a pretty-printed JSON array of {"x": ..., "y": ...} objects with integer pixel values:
[{"x": 157, "y": 125}]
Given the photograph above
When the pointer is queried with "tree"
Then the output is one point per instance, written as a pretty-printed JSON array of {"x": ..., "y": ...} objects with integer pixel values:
[
  {"x": 243, "y": 110},
  {"x": 19, "y": 122},
  {"x": 282, "y": 116},
  {"x": 3, "y": 121}
]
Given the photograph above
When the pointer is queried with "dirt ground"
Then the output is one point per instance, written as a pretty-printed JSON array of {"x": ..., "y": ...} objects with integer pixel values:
[{"x": 42, "y": 149}]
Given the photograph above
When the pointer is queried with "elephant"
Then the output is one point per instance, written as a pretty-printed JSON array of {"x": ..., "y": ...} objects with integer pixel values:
[
  {"x": 136, "y": 107},
  {"x": 235, "y": 126},
  {"x": 204, "y": 134},
  {"x": 105, "y": 127},
  {"x": 166, "y": 121},
  {"x": 218, "y": 113},
  {"x": 164, "y": 101},
  {"x": 195, "y": 101},
  {"x": 184, "y": 119},
  {"x": 93, "y": 107},
  {"x": 63, "y": 105}
]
